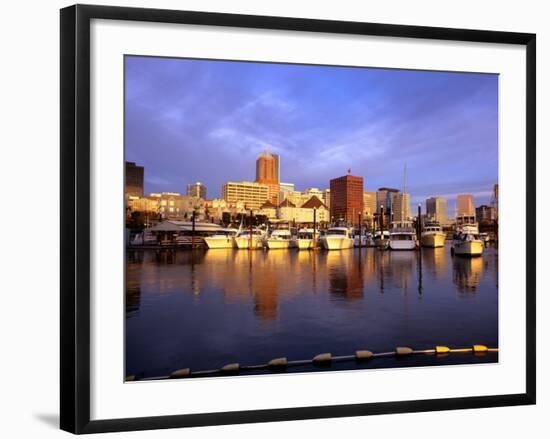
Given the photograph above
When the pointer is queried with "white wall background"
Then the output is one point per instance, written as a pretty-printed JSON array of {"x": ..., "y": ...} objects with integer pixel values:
[{"x": 29, "y": 186}]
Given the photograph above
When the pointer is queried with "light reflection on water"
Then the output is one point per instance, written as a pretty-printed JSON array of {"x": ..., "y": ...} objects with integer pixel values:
[{"x": 208, "y": 308}]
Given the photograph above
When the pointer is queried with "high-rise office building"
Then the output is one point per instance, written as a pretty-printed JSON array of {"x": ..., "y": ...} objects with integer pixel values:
[
  {"x": 133, "y": 186},
  {"x": 346, "y": 198},
  {"x": 369, "y": 203},
  {"x": 384, "y": 198},
  {"x": 436, "y": 209},
  {"x": 267, "y": 172},
  {"x": 252, "y": 194},
  {"x": 196, "y": 190},
  {"x": 465, "y": 205},
  {"x": 401, "y": 206}
]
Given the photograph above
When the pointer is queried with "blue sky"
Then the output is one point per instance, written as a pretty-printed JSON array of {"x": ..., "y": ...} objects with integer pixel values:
[{"x": 200, "y": 120}]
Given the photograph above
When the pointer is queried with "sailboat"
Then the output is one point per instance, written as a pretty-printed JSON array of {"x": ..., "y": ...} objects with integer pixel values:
[{"x": 402, "y": 233}]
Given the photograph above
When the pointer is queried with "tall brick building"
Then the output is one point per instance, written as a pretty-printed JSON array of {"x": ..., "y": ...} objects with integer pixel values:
[
  {"x": 346, "y": 198},
  {"x": 267, "y": 172}
]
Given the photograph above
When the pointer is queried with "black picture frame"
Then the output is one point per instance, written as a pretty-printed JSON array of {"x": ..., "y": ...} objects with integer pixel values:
[{"x": 75, "y": 217}]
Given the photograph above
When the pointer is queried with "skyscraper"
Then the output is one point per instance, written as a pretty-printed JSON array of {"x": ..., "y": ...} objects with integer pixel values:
[
  {"x": 267, "y": 172},
  {"x": 401, "y": 206},
  {"x": 346, "y": 198},
  {"x": 133, "y": 186},
  {"x": 436, "y": 209},
  {"x": 465, "y": 205},
  {"x": 369, "y": 203},
  {"x": 196, "y": 190},
  {"x": 384, "y": 199}
]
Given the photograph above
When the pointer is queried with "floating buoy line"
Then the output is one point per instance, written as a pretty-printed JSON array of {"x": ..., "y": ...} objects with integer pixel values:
[{"x": 324, "y": 359}]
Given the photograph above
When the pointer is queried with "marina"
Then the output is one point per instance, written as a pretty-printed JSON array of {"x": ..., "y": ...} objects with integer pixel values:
[
  {"x": 303, "y": 253},
  {"x": 206, "y": 308}
]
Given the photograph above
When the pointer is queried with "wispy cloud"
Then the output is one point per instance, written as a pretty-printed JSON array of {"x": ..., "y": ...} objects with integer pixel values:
[{"x": 190, "y": 120}]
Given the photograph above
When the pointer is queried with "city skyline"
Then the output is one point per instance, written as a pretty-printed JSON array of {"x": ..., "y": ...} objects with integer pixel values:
[{"x": 321, "y": 121}]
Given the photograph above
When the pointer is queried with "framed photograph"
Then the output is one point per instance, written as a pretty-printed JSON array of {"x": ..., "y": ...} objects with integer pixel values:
[{"x": 275, "y": 218}]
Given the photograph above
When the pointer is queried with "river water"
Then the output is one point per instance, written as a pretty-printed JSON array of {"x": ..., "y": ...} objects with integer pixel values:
[{"x": 207, "y": 308}]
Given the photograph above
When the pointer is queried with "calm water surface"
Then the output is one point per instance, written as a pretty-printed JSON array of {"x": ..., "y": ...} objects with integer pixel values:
[{"x": 208, "y": 308}]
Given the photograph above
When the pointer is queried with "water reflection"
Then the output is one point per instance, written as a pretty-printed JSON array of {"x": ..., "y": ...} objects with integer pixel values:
[
  {"x": 345, "y": 275},
  {"x": 467, "y": 273},
  {"x": 210, "y": 305}
]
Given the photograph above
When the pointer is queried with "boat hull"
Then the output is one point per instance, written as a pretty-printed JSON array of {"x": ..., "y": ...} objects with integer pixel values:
[
  {"x": 402, "y": 244},
  {"x": 302, "y": 244},
  {"x": 433, "y": 240},
  {"x": 244, "y": 243},
  {"x": 277, "y": 244},
  {"x": 468, "y": 248},
  {"x": 337, "y": 243},
  {"x": 212, "y": 243}
]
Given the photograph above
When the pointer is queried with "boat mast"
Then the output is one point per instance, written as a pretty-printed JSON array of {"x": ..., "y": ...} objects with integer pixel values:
[{"x": 403, "y": 194}]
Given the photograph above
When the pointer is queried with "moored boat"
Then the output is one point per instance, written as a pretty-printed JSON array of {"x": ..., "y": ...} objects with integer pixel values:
[
  {"x": 304, "y": 239},
  {"x": 337, "y": 238},
  {"x": 222, "y": 239},
  {"x": 432, "y": 235},
  {"x": 402, "y": 236},
  {"x": 279, "y": 239},
  {"x": 249, "y": 239},
  {"x": 466, "y": 241}
]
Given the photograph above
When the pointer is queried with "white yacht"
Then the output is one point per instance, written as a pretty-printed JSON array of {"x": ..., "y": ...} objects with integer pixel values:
[
  {"x": 249, "y": 239},
  {"x": 304, "y": 239},
  {"x": 402, "y": 236},
  {"x": 222, "y": 239},
  {"x": 467, "y": 241},
  {"x": 279, "y": 239},
  {"x": 337, "y": 238},
  {"x": 432, "y": 235}
]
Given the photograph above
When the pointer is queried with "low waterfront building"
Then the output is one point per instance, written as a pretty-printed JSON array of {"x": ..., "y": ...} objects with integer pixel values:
[
  {"x": 268, "y": 209},
  {"x": 168, "y": 205},
  {"x": 252, "y": 194},
  {"x": 288, "y": 211},
  {"x": 144, "y": 205},
  {"x": 295, "y": 197},
  {"x": 220, "y": 210}
]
